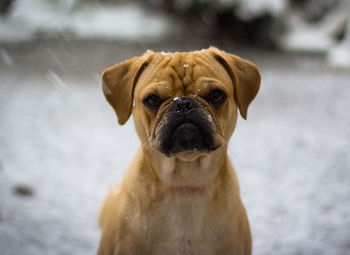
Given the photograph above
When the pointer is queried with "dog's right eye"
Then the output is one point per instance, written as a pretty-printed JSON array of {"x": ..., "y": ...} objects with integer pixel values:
[{"x": 152, "y": 101}]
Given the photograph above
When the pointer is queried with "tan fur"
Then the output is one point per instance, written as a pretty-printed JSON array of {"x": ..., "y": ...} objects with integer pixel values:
[{"x": 188, "y": 203}]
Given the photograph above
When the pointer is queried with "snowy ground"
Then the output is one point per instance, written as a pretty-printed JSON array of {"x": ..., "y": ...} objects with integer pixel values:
[{"x": 59, "y": 136}]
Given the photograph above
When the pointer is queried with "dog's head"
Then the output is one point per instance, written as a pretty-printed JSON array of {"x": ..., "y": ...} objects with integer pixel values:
[{"x": 182, "y": 103}]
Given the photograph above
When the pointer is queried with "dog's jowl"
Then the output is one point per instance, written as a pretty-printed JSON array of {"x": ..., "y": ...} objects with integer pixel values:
[{"x": 180, "y": 194}]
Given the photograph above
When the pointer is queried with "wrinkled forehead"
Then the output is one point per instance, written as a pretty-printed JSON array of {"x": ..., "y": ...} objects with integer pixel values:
[{"x": 182, "y": 69}]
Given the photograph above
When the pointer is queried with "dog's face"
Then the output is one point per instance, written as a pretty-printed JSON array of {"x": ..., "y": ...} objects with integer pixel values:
[{"x": 184, "y": 104}]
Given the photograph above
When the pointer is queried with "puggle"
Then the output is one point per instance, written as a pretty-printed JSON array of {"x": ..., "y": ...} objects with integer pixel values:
[{"x": 180, "y": 194}]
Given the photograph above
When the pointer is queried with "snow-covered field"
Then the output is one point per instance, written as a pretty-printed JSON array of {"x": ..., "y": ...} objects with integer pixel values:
[{"x": 59, "y": 136}]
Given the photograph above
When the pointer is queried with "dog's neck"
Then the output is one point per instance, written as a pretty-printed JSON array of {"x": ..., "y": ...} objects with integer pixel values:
[
  {"x": 185, "y": 174},
  {"x": 160, "y": 178}
]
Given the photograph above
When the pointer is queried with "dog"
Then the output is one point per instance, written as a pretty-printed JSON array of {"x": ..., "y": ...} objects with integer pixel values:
[{"x": 180, "y": 194}]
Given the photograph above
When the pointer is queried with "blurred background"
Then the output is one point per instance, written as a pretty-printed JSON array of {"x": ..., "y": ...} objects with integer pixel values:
[{"x": 61, "y": 147}]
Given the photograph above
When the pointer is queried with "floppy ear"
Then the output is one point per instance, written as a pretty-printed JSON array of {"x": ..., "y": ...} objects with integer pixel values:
[
  {"x": 244, "y": 75},
  {"x": 118, "y": 83}
]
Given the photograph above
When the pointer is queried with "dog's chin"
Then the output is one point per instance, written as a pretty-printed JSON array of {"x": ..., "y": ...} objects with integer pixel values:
[{"x": 188, "y": 156}]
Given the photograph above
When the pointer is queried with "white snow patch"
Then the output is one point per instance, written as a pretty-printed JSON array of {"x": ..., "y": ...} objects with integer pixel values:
[
  {"x": 250, "y": 9},
  {"x": 339, "y": 56},
  {"x": 210, "y": 118},
  {"x": 306, "y": 40}
]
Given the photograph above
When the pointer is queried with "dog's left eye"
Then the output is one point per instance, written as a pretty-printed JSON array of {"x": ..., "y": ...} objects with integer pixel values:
[
  {"x": 216, "y": 97},
  {"x": 152, "y": 101}
]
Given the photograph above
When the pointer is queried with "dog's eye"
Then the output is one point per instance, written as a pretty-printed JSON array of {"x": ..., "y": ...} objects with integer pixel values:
[
  {"x": 152, "y": 101},
  {"x": 216, "y": 97}
]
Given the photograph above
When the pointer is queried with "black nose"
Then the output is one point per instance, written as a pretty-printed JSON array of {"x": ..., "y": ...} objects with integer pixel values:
[{"x": 183, "y": 105}]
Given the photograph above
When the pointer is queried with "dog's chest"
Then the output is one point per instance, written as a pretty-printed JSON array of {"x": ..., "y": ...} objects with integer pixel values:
[
  {"x": 183, "y": 247},
  {"x": 181, "y": 229}
]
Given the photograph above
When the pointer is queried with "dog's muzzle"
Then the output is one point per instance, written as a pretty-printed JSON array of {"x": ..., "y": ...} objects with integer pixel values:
[{"x": 186, "y": 127}]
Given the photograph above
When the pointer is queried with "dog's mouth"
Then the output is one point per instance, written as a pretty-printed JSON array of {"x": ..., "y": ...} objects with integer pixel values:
[
  {"x": 187, "y": 136},
  {"x": 191, "y": 132}
]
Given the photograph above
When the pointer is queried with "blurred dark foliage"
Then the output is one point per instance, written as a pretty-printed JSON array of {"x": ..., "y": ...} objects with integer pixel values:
[
  {"x": 213, "y": 19},
  {"x": 5, "y": 6}
]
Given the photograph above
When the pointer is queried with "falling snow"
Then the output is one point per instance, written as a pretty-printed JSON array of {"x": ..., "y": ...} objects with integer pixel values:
[{"x": 6, "y": 57}]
